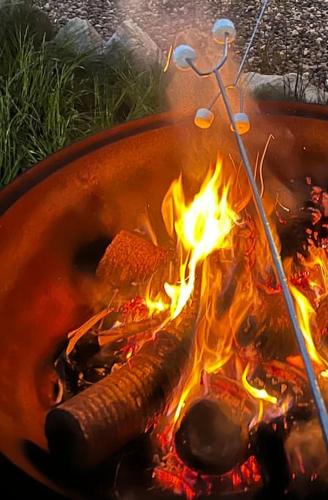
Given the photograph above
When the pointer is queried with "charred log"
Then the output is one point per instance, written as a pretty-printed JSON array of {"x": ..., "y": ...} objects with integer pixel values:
[
  {"x": 267, "y": 332},
  {"x": 227, "y": 294},
  {"x": 268, "y": 447},
  {"x": 208, "y": 440},
  {"x": 90, "y": 427},
  {"x": 247, "y": 331}
]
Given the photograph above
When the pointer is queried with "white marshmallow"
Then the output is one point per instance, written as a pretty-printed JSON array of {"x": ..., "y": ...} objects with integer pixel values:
[
  {"x": 221, "y": 28},
  {"x": 204, "y": 118},
  {"x": 181, "y": 54},
  {"x": 242, "y": 123}
]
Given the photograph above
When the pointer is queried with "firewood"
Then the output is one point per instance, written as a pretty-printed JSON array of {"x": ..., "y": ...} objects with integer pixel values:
[
  {"x": 268, "y": 448},
  {"x": 126, "y": 331},
  {"x": 209, "y": 441},
  {"x": 90, "y": 427},
  {"x": 130, "y": 258},
  {"x": 267, "y": 329}
]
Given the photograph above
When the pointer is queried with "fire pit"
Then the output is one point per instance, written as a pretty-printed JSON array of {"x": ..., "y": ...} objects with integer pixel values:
[{"x": 57, "y": 222}]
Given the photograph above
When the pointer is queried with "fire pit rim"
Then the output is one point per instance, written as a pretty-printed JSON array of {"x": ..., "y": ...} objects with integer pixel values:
[
  {"x": 29, "y": 179},
  {"x": 80, "y": 151}
]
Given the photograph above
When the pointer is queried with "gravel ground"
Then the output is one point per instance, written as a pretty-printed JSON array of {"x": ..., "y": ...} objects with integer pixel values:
[{"x": 293, "y": 36}]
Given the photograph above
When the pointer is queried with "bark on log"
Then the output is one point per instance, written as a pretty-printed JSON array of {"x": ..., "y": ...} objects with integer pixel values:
[
  {"x": 87, "y": 429},
  {"x": 130, "y": 258}
]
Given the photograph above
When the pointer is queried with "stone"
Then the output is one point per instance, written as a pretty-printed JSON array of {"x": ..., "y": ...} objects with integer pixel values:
[
  {"x": 80, "y": 36},
  {"x": 284, "y": 87},
  {"x": 131, "y": 41}
]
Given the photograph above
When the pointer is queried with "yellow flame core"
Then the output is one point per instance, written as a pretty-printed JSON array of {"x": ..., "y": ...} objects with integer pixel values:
[
  {"x": 304, "y": 314},
  {"x": 261, "y": 394},
  {"x": 200, "y": 227}
]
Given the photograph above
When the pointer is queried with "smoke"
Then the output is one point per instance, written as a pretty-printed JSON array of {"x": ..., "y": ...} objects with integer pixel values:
[
  {"x": 306, "y": 449},
  {"x": 173, "y": 22}
]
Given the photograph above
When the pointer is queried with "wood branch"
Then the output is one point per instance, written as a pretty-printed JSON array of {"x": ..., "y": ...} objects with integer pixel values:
[
  {"x": 77, "y": 334},
  {"x": 128, "y": 330},
  {"x": 90, "y": 427},
  {"x": 130, "y": 258}
]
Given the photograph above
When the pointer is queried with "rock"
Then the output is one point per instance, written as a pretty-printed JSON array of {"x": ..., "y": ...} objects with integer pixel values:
[
  {"x": 268, "y": 87},
  {"x": 131, "y": 41},
  {"x": 284, "y": 87},
  {"x": 24, "y": 16},
  {"x": 79, "y": 36},
  {"x": 162, "y": 19}
]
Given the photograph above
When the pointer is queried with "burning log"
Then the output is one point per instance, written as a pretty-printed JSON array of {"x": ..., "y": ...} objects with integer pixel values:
[
  {"x": 268, "y": 447},
  {"x": 129, "y": 330},
  {"x": 209, "y": 441},
  {"x": 90, "y": 427},
  {"x": 130, "y": 258},
  {"x": 267, "y": 331}
]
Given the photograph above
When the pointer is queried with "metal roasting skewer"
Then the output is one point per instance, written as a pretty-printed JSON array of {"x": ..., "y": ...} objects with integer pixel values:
[
  {"x": 250, "y": 43},
  {"x": 316, "y": 393},
  {"x": 186, "y": 58},
  {"x": 246, "y": 54}
]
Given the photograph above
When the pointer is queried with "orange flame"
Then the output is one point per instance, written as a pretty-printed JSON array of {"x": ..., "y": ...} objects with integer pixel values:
[
  {"x": 199, "y": 228},
  {"x": 315, "y": 264},
  {"x": 261, "y": 394},
  {"x": 305, "y": 312}
]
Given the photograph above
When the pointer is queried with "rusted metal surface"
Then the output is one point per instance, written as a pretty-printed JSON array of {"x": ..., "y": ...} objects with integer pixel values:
[{"x": 88, "y": 191}]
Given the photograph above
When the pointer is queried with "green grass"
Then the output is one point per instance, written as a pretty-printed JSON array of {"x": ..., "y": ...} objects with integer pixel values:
[{"x": 50, "y": 98}]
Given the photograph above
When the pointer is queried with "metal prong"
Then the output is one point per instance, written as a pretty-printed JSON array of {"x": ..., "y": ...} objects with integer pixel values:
[{"x": 218, "y": 66}]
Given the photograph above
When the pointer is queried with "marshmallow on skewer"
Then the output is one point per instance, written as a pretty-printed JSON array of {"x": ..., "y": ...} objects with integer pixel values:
[
  {"x": 181, "y": 54},
  {"x": 204, "y": 118},
  {"x": 223, "y": 27},
  {"x": 242, "y": 123}
]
